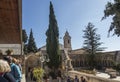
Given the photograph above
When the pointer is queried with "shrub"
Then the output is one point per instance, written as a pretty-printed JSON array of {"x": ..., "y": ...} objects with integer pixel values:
[
  {"x": 38, "y": 74},
  {"x": 9, "y": 51}
]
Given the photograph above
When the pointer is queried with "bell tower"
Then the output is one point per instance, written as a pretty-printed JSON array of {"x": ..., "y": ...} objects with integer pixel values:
[{"x": 67, "y": 41}]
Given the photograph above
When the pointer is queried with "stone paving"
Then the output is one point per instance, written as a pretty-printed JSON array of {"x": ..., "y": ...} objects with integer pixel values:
[
  {"x": 23, "y": 78},
  {"x": 105, "y": 75},
  {"x": 26, "y": 79}
]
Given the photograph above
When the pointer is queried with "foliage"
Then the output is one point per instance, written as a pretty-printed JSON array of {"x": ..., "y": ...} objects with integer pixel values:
[
  {"x": 31, "y": 43},
  {"x": 25, "y": 49},
  {"x": 113, "y": 9},
  {"x": 53, "y": 41},
  {"x": 24, "y": 39},
  {"x": 24, "y": 36},
  {"x": 116, "y": 66},
  {"x": 91, "y": 43},
  {"x": 9, "y": 51},
  {"x": 38, "y": 73}
]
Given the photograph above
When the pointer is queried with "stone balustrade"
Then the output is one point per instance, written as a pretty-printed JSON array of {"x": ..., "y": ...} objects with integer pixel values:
[{"x": 89, "y": 77}]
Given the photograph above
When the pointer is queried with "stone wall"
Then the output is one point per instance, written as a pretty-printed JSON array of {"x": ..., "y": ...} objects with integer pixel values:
[
  {"x": 90, "y": 78},
  {"x": 15, "y": 47}
]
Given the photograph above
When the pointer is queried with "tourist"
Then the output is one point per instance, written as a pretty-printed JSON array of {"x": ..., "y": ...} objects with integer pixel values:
[
  {"x": 68, "y": 79},
  {"x": 76, "y": 79},
  {"x": 83, "y": 79},
  {"x": 19, "y": 62},
  {"x": 5, "y": 75},
  {"x": 15, "y": 70}
]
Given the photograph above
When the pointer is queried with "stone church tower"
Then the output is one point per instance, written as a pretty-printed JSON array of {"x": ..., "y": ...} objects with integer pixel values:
[{"x": 67, "y": 41}]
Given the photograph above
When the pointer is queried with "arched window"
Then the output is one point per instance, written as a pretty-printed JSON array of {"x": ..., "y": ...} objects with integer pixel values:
[{"x": 68, "y": 41}]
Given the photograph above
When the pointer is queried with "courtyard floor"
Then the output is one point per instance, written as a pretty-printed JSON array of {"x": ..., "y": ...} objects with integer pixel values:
[{"x": 104, "y": 75}]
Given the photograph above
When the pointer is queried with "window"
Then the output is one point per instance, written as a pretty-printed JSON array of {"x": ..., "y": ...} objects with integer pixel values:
[{"x": 68, "y": 41}]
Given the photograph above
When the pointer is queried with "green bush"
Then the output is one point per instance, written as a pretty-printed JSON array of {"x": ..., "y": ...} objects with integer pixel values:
[
  {"x": 38, "y": 74},
  {"x": 9, "y": 51}
]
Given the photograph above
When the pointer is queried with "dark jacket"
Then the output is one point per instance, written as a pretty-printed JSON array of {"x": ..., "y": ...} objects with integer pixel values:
[
  {"x": 76, "y": 80},
  {"x": 9, "y": 77}
]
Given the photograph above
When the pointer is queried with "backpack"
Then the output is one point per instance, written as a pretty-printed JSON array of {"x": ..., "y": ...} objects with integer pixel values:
[{"x": 3, "y": 79}]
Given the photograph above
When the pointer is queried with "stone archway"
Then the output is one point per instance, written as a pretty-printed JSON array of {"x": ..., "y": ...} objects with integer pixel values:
[{"x": 31, "y": 60}]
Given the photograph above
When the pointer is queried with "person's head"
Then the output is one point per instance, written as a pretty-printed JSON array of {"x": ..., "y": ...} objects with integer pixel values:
[
  {"x": 4, "y": 66},
  {"x": 81, "y": 77},
  {"x": 14, "y": 60},
  {"x": 75, "y": 76},
  {"x": 8, "y": 59}
]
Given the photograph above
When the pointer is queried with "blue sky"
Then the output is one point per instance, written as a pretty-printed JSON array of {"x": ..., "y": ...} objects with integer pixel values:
[{"x": 71, "y": 15}]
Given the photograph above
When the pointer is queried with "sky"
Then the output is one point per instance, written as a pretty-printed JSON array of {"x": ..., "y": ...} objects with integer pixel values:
[{"x": 71, "y": 15}]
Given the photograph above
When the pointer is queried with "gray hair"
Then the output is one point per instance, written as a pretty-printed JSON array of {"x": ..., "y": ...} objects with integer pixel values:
[{"x": 4, "y": 66}]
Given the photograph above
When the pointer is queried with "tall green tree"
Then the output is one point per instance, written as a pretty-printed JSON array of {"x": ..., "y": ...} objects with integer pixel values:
[
  {"x": 52, "y": 41},
  {"x": 113, "y": 9},
  {"x": 24, "y": 36},
  {"x": 91, "y": 43},
  {"x": 24, "y": 39},
  {"x": 31, "y": 43}
]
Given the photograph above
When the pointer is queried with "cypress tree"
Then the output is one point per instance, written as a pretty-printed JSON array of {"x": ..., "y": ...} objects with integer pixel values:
[
  {"x": 52, "y": 41},
  {"x": 31, "y": 43}
]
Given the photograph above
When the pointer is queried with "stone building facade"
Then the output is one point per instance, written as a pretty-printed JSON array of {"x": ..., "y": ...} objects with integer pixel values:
[
  {"x": 78, "y": 57},
  {"x": 105, "y": 59}
]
